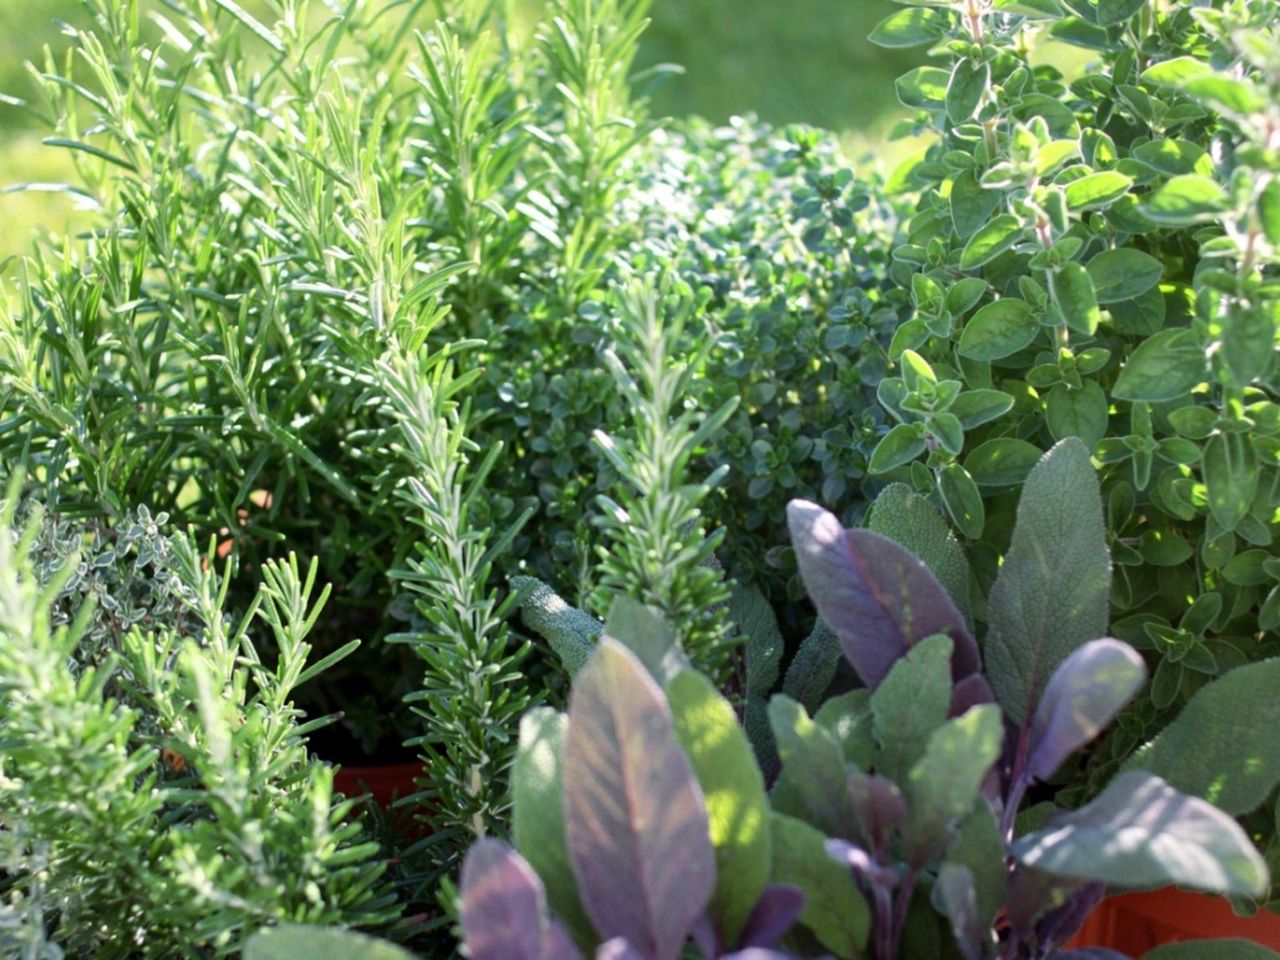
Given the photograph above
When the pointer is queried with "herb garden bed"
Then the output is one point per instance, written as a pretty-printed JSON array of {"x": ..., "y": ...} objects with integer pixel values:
[{"x": 759, "y": 557}]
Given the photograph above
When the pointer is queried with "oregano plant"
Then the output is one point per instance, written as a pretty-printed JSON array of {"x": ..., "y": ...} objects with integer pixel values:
[{"x": 1093, "y": 255}]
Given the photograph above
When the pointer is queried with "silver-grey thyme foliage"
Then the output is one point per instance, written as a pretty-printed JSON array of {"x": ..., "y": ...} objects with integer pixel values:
[
  {"x": 1095, "y": 256},
  {"x": 643, "y": 822},
  {"x": 158, "y": 797}
]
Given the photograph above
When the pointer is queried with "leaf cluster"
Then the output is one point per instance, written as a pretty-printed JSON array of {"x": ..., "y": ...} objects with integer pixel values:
[
  {"x": 159, "y": 800},
  {"x": 1094, "y": 256},
  {"x": 894, "y": 830}
]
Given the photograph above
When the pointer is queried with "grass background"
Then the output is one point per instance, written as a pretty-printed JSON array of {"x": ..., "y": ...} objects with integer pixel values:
[{"x": 788, "y": 61}]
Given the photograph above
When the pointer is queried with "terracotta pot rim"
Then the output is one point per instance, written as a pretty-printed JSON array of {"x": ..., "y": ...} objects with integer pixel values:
[{"x": 1137, "y": 921}]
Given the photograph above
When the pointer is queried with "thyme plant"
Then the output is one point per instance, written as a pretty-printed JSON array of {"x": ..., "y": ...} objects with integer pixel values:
[{"x": 177, "y": 818}]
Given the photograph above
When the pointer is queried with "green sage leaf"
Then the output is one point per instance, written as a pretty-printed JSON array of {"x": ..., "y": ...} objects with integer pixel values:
[
  {"x": 538, "y": 814},
  {"x": 1051, "y": 595},
  {"x": 1222, "y": 746},
  {"x": 1168, "y": 838},
  {"x": 834, "y": 908},
  {"x": 296, "y": 942},
  {"x": 737, "y": 808},
  {"x": 904, "y": 516},
  {"x": 911, "y": 702},
  {"x": 943, "y": 785}
]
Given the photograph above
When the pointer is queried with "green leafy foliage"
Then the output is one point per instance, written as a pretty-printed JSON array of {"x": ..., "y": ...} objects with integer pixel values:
[
  {"x": 1217, "y": 747},
  {"x": 737, "y": 808},
  {"x": 184, "y": 809},
  {"x": 287, "y": 942},
  {"x": 1211, "y": 950},
  {"x": 906, "y": 788},
  {"x": 346, "y": 292},
  {"x": 1092, "y": 245},
  {"x": 538, "y": 820},
  {"x": 657, "y": 551},
  {"x": 1166, "y": 839},
  {"x": 473, "y": 690},
  {"x": 922, "y": 798},
  {"x": 905, "y": 517},
  {"x": 751, "y": 216},
  {"x": 212, "y": 353},
  {"x": 1051, "y": 593},
  {"x": 834, "y": 911}
]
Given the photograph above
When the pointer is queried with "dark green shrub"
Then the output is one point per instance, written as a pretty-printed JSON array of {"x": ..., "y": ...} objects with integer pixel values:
[
  {"x": 209, "y": 353},
  {"x": 793, "y": 250},
  {"x": 1095, "y": 256}
]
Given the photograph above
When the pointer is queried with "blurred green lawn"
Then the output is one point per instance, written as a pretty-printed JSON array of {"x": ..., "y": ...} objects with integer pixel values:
[{"x": 805, "y": 61}]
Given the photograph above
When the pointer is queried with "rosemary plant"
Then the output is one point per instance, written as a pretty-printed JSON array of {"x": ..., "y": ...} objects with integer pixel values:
[
  {"x": 656, "y": 549},
  {"x": 472, "y": 691},
  {"x": 179, "y": 819}
]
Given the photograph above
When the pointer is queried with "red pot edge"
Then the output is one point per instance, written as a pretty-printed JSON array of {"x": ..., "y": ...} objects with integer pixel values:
[
  {"x": 385, "y": 783},
  {"x": 1136, "y": 922}
]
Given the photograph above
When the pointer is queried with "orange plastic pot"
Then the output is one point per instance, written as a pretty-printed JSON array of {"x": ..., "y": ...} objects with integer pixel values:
[
  {"x": 1135, "y": 922},
  {"x": 384, "y": 784}
]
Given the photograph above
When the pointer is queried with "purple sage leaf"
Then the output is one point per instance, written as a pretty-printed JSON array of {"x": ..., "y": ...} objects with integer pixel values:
[
  {"x": 635, "y": 817},
  {"x": 877, "y": 596},
  {"x": 773, "y": 916},
  {"x": 504, "y": 910},
  {"x": 618, "y": 949},
  {"x": 878, "y": 805},
  {"x": 757, "y": 953},
  {"x": 1031, "y": 894},
  {"x": 970, "y": 692},
  {"x": 1082, "y": 696},
  {"x": 558, "y": 945},
  {"x": 1060, "y": 924},
  {"x": 704, "y": 936},
  {"x": 862, "y": 863}
]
